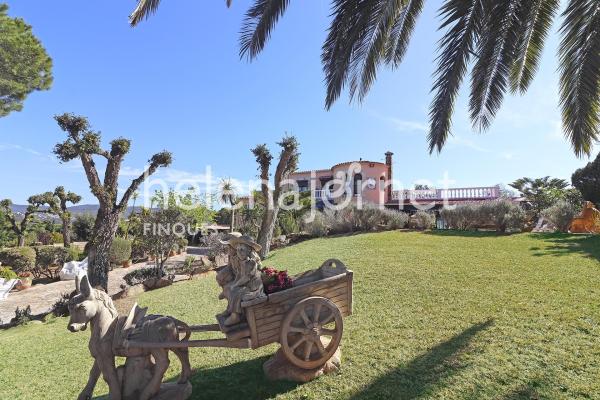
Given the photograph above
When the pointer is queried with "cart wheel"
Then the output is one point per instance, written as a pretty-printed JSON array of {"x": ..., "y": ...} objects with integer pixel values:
[{"x": 311, "y": 332}]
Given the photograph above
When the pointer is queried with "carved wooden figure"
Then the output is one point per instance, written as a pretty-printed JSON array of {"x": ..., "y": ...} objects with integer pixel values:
[{"x": 110, "y": 336}]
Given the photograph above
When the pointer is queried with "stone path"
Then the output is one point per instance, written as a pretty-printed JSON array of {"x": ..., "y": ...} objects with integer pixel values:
[{"x": 42, "y": 297}]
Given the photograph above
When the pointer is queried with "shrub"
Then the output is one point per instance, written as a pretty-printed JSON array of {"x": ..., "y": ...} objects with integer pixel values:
[
  {"x": 60, "y": 308},
  {"x": 353, "y": 219},
  {"x": 317, "y": 227},
  {"x": 49, "y": 260},
  {"x": 83, "y": 225},
  {"x": 21, "y": 259},
  {"x": 503, "y": 214},
  {"x": 120, "y": 250},
  {"x": 138, "y": 251},
  {"x": 45, "y": 238},
  {"x": 75, "y": 253},
  {"x": 392, "y": 219},
  {"x": 213, "y": 244},
  {"x": 7, "y": 273},
  {"x": 462, "y": 217},
  {"x": 22, "y": 316},
  {"x": 288, "y": 223},
  {"x": 423, "y": 220},
  {"x": 57, "y": 237},
  {"x": 560, "y": 215},
  {"x": 140, "y": 275}
]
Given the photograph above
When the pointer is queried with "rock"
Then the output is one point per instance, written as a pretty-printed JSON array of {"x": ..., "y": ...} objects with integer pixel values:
[
  {"x": 157, "y": 283},
  {"x": 129, "y": 291},
  {"x": 278, "y": 368}
]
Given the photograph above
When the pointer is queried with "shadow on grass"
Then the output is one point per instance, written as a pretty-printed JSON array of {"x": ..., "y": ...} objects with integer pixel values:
[
  {"x": 471, "y": 234},
  {"x": 242, "y": 380},
  {"x": 417, "y": 378},
  {"x": 562, "y": 244}
]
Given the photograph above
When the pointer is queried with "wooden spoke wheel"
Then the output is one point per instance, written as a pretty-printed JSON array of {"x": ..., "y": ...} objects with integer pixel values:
[{"x": 311, "y": 332}]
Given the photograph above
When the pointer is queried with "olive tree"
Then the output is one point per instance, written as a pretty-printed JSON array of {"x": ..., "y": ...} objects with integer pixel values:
[
  {"x": 57, "y": 205},
  {"x": 18, "y": 227},
  {"x": 288, "y": 162},
  {"x": 84, "y": 144}
]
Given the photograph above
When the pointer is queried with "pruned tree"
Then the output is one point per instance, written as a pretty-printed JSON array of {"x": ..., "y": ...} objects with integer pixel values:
[
  {"x": 288, "y": 162},
  {"x": 18, "y": 227},
  {"x": 84, "y": 144},
  {"x": 57, "y": 205}
]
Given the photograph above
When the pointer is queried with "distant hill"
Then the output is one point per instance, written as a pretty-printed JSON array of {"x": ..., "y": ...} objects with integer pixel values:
[{"x": 19, "y": 209}]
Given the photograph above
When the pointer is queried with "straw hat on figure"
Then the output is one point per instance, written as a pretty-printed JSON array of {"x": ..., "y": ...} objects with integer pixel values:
[{"x": 241, "y": 279}]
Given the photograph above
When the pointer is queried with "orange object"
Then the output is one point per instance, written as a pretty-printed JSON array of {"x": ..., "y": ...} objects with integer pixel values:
[{"x": 588, "y": 221}]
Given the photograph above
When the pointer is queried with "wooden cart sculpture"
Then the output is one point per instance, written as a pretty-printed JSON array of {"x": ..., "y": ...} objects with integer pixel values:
[{"x": 307, "y": 319}]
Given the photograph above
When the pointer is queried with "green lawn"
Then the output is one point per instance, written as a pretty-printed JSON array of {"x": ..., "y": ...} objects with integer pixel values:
[{"x": 436, "y": 316}]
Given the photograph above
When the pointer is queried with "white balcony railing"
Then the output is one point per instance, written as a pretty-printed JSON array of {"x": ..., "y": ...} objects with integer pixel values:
[{"x": 473, "y": 193}]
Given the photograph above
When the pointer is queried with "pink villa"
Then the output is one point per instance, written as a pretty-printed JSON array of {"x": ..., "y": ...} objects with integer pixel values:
[{"x": 372, "y": 183}]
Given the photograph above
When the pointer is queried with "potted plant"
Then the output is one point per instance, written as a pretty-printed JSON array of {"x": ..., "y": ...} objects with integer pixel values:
[{"x": 25, "y": 281}]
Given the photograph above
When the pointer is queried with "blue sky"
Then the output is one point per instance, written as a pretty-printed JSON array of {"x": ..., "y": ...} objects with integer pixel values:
[{"x": 176, "y": 82}]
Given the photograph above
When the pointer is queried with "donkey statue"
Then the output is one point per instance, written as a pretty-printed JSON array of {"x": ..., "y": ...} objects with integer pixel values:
[{"x": 141, "y": 376}]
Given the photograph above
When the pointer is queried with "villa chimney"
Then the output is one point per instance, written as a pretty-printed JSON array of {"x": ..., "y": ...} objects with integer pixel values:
[{"x": 388, "y": 162}]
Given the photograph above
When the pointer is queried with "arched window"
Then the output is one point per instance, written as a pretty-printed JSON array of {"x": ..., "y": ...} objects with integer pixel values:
[{"x": 357, "y": 184}]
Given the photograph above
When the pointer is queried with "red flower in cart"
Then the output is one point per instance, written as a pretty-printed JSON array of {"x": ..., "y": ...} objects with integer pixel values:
[{"x": 274, "y": 280}]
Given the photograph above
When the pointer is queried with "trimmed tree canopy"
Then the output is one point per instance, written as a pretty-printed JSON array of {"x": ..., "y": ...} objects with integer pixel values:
[{"x": 24, "y": 64}]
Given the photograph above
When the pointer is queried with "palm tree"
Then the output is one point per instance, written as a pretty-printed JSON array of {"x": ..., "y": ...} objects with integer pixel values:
[
  {"x": 501, "y": 39},
  {"x": 228, "y": 195}
]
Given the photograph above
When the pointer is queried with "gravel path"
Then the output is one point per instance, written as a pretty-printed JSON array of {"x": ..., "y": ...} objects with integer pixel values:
[{"x": 42, "y": 297}]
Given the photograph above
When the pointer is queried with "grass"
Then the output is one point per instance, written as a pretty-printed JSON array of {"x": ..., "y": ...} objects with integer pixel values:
[{"x": 444, "y": 315}]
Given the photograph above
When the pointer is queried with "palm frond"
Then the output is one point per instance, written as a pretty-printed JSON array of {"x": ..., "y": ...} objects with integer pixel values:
[
  {"x": 258, "y": 25},
  {"x": 536, "y": 24},
  {"x": 144, "y": 9},
  {"x": 463, "y": 18},
  {"x": 579, "y": 66},
  {"x": 495, "y": 56},
  {"x": 370, "y": 49},
  {"x": 402, "y": 31}
]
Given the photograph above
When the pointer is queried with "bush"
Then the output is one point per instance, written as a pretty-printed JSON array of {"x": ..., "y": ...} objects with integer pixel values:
[
  {"x": 83, "y": 225},
  {"x": 317, "y": 227},
  {"x": 352, "y": 219},
  {"x": 49, "y": 260},
  {"x": 213, "y": 244},
  {"x": 503, "y": 214},
  {"x": 60, "y": 308},
  {"x": 45, "y": 238},
  {"x": 560, "y": 215},
  {"x": 462, "y": 217},
  {"x": 7, "y": 273},
  {"x": 140, "y": 275},
  {"x": 21, "y": 259},
  {"x": 288, "y": 223},
  {"x": 422, "y": 220},
  {"x": 393, "y": 219},
  {"x": 120, "y": 251},
  {"x": 22, "y": 316},
  {"x": 57, "y": 237},
  {"x": 138, "y": 251},
  {"x": 75, "y": 253}
]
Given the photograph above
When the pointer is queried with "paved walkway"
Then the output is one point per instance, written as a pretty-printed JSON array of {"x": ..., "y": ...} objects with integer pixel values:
[{"x": 42, "y": 297}]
